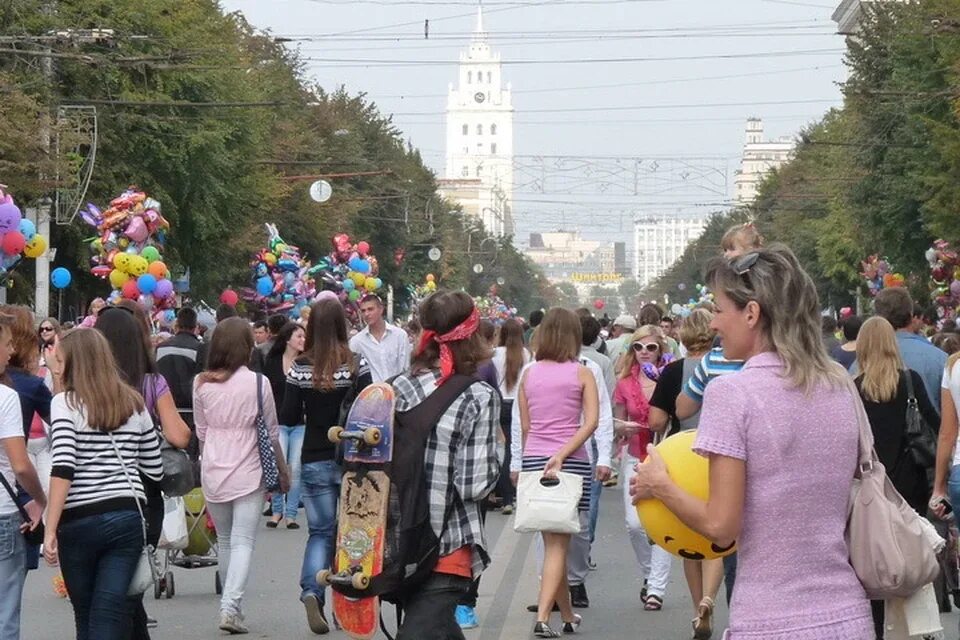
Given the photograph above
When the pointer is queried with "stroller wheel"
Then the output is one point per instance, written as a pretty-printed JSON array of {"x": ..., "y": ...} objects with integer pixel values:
[
  {"x": 158, "y": 589},
  {"x": 217, "y": 585},
  {"x": 171, "y": 589}
]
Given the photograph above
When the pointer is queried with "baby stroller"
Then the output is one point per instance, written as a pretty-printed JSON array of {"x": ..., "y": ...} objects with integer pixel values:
[{"x": 197, "y": 550}]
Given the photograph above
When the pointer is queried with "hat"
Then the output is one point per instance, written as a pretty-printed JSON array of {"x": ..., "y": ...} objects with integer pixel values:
[{"x": 626, "y": 321}]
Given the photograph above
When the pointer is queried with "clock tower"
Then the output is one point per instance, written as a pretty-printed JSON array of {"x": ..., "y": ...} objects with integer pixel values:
[{"x": 479, "y": 171}]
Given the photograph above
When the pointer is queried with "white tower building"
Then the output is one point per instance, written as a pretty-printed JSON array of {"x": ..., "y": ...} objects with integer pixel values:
[{"x": 479, "y": 171}]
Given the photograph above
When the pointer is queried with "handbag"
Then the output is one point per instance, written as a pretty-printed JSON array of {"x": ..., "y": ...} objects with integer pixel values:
[
  {"x": 548, "y": 504},
  {"x": 268, "y": 459},
  {"x": 921, "y": 440},
  {"x": 888, "y": 549},
  {"x": 174, "y": 532},
  {"x": 34, "y": 537},
  {"x": 147, "y": 571},
  {"x": 178, "y": 470}
]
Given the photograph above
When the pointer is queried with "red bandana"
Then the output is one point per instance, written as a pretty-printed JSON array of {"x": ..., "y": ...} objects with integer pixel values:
[{"x": 461, "y": 332}]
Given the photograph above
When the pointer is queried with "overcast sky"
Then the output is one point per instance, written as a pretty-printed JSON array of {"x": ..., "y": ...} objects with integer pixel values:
[{"x": 775, "y": 59}]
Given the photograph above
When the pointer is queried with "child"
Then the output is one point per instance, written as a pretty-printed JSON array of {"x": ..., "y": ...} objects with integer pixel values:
[{"x": 740, "y": 239}]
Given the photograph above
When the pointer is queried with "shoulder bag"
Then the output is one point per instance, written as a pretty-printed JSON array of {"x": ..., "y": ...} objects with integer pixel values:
[
  {"x": 147, "y": 571},
  {"x": 179, "y": 473},
  {"x": 34, "y": 537},
  {"x": 268, "y": 459},
  {"x": 888, "y": 547},
  {"x": 921, "y": 441}
]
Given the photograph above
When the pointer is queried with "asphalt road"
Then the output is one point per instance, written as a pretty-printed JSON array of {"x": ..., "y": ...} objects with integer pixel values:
[{"x": 274, "y": 611}]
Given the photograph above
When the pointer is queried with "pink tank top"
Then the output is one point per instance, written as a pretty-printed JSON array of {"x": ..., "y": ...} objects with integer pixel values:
[{"x": 555, "y": 400}]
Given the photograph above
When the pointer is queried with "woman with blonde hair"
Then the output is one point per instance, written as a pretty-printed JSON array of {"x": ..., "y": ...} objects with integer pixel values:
[
  {"x": 640, "y": 366},
  {"x": 782, "y": 440},
  {"x": 885, "y": 386},
  {"x": 559, "y": 411}
]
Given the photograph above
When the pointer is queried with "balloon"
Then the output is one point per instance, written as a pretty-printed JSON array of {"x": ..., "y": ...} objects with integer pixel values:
[
  {"x": 349, "y": 285},
  {"x": 137, "y": 266},
  {"x": 691, "y": 472},
  {"x": 147, "y": 283},
  {"x": 136, "y": 229},
  {"x": 146, "y": 301},
  {"x": 165, "y": 289},
  {"x": 264, "y": 286},
  {"x": 430, "y": 277},
  {"x": 363, "y": 266},
  {"x": 363, "y": 248},
  {"x": 130, "y": 290},
  {"x": 599, "y": 304},
  {"x": 431, "y": 286},
  {"x": 354, "y": 295},
  {"x": 117, "y": 278},
  {"x": 157, "y": 269},
  {"x": 379, "y": 283},
  {"x": 151, "y": 254},
  {"x": 122, "y": 261},
  {"x": 35, "y": 247},
  {"x": 370, "y": 284},
  {"x": 354, "y": 264},
  {"x": 9, "y": 216},
  {"x": 60, "y": 277},
  {"x": 28, "y": 229},
  {"x": 13, "y": 243},
  {"x": 230, "y": 297}
]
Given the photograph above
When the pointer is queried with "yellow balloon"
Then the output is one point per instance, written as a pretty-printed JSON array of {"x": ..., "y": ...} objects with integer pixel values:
[
  {"x": 370, "y": 284},
  {"x": 36, "y": 247},
  {"x": 431, "y": 286},
  {"x": 691, "y": 472},
  {"x": 121, "y": 261},
  {"x": 118, "y": 278},
  {"x": 137, "y": 266}
]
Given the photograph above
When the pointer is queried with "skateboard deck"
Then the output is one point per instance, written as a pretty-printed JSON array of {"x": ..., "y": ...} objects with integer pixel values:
[{"x": 363, "y": 507}]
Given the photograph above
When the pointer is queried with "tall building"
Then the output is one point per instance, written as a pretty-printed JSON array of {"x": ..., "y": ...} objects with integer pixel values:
[
  {"x": 759, "y": 158},
  {"x": 479, "y": 169},
  {"x": 847, "y": 15},
  {"x": 659, "y": 242}
]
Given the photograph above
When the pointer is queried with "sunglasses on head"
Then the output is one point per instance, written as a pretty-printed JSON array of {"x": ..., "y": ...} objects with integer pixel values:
[
  {"x": 744, "y": 263},
  {"x": 650, "y": 346}
]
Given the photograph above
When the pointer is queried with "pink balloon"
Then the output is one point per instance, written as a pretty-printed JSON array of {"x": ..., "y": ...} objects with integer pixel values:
[
  {"x": 9, "y": 216},
  {"x": 326, "y": 294},
  {"x": 136, "y": 230}
]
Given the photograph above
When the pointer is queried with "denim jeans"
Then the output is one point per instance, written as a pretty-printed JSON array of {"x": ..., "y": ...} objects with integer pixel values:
[
  {"x": 429, "y": 612},
  {"x": 98, "y": 556},
  {"x": 291, "y": 442},
  {"x": 953, "y": 488},
  {"x": 237, "y": 522},
  {"x": 13, "y": 573},
  {"x": 320, "y": 488}
]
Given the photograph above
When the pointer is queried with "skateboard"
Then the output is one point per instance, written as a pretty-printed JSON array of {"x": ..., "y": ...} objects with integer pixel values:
[{"x": 367, "y": 439}]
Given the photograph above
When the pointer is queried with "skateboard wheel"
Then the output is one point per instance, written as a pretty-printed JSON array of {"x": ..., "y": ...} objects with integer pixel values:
[
  {"x": 360, "y": 581},
  {"x": 334, "y": 434},
  {"x": 323, "y": 577},
  {"x": 372, "y": 436}
]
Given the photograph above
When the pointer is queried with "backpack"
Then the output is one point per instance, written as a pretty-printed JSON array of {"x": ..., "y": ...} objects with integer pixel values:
[{"x": 411, "y": 546}]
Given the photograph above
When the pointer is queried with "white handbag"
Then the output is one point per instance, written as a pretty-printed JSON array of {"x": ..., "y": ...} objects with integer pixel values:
[
  {"x": 544, "y": 504},
  {"x": 147, "y": 572}
]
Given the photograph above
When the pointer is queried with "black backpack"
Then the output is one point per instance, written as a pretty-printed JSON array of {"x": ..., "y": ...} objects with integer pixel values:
[{"x": 411, "y": 547}]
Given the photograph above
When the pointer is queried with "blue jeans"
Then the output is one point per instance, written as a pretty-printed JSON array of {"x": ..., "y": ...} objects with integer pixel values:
[
  {"x": 320, "y": 487},
  {"x": 953, "y": 488},
  {"x": 291, "y": 442},
  {"x": 13, "y": 573},
  {"x": 98, "y": 556}
]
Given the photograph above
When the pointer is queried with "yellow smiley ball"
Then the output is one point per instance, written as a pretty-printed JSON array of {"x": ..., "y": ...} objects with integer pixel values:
[{"x": 691, "y": 472}]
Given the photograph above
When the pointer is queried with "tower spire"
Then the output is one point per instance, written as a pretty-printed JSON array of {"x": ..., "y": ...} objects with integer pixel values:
[{"x": 479, "y": 32}]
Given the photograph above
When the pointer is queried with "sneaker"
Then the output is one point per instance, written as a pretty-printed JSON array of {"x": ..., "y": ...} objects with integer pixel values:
[
  {"x": 151, "y": 623},
  {"x": 232, "y": 623},
  {"x": 578, "y": 596},
  {"x": 572, "y": 627},
  {"x": 315, "y": 618},
  {"x": 507, "y": 509},
  {"x": 467, "y": 617}
]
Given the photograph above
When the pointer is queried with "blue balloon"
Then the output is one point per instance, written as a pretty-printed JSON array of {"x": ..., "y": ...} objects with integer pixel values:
[
  {"x": 349, "y": 285},
  {"x": 60, "y": 277},
  {"x": 264, "y": 286},
  {"x": 355, "y": 263},
  {"x": 363, "y": 267},
  {"x": 28, "y": 229},
  {"x": 147, "y": 284}
]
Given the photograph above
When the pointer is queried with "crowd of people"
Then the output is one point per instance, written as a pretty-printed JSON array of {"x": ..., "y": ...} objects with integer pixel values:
[{"x": 769, "y": 384}]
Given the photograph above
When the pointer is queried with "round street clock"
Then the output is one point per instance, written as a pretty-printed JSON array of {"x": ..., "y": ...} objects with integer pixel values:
[{"x": 479, "y": 97}]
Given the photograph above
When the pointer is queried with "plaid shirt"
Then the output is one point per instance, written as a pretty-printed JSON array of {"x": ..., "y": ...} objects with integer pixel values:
[{"x": 461, "y": 465}]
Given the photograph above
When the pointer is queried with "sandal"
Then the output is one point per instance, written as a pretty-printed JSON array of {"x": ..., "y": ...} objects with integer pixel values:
[
  {"x": 653, "y": 603},
  {"x": 543, "y": 630},
  {"x": 703, "y": 623},
  {"x": 571, "y": 627},
  {"x": 643, "y": 593}
]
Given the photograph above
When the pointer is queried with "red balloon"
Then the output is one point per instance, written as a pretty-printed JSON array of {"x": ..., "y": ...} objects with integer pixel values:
[
  {"x": 363, "y": 248},
  {"x": 13, "y": 243},
  {"x": 599, "y": 304},
  {"x": 130, "y": 289},
  {"x": 230, "y": 297}
]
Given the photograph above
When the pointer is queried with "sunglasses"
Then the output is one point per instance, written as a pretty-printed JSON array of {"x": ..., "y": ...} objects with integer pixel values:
[
  {"x": 45, "y": 329},
  {"x": 650, "y": 346}
]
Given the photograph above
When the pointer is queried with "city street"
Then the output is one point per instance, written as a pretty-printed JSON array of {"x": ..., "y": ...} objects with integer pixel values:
[{"x": 508, "y": 586}]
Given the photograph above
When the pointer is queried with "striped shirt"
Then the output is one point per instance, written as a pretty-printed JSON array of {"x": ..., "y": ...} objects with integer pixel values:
[
  {"x": 86, "y": 457},
  {"x": 713, "y": 365}
]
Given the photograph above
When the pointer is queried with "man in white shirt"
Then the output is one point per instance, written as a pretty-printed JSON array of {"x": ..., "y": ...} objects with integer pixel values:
[
  {"x": 385, "y": 347},
  {"x": 623, "y": 328}
]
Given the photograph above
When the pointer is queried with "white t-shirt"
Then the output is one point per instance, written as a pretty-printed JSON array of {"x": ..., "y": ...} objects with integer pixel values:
[
  {"x": 951, "y": 382},
  {"x": 11, "y": 426},
  {"x": 500, "y": 364}
]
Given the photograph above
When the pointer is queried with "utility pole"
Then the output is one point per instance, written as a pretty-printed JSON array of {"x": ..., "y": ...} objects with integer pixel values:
[{"x": 42, "y": 263}]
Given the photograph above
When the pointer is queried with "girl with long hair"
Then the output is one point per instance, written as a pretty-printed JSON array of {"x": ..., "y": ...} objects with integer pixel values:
[
  {"x": 287, "y": 346},
  {"x": 559, "y": 411},
  {"x": 225, "y": 407},
  {"x": 47, "y": 333},
  {"x": 509, "y": 359},
  {"x": 320, "y": 384},
  {"x": 137, "y": 368},
  {"x": 103, "y": 440},
  {"x": 782, "y": 440}
]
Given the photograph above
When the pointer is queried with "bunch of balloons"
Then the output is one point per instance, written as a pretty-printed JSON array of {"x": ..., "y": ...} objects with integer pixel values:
[
  {"x": 703, "y": 297},
  {"x": 944, "y": 279},
  {"x": 128, "y": 250},
  {"x": 493, "y": 308},
  {"x": 353, "y": 267},
  {"x": 19, "y": 237},
  {"x": 421, "y": 291},
  {"x": 281, "y": 282},
  {"x": 879, "y": 275}
]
